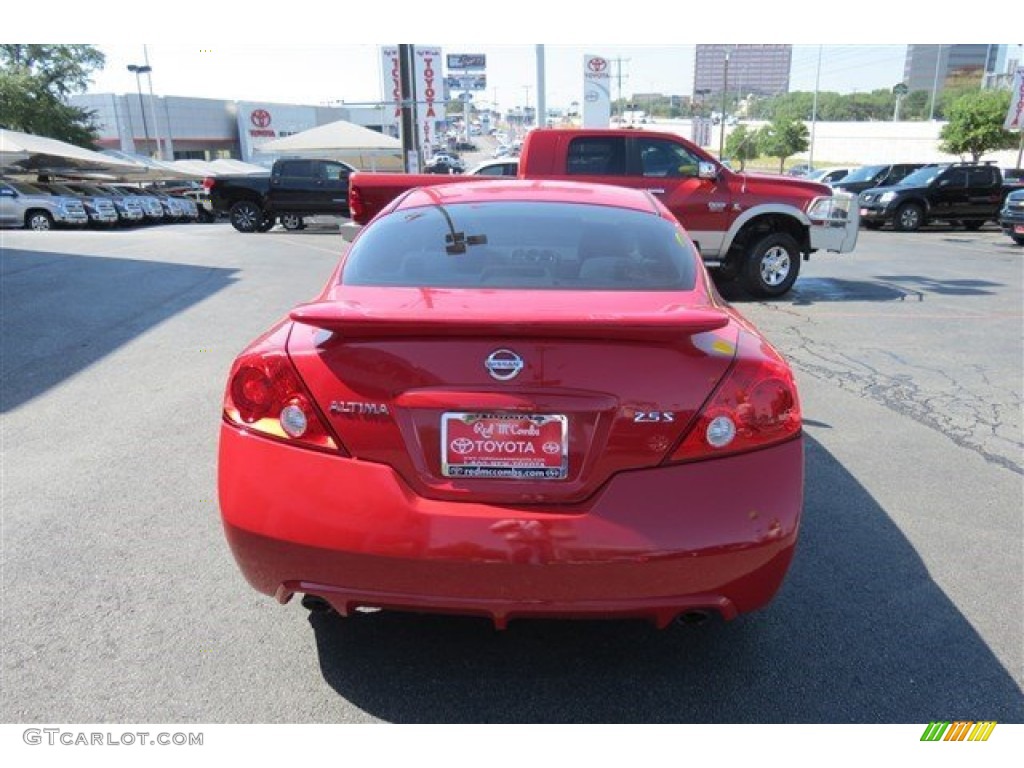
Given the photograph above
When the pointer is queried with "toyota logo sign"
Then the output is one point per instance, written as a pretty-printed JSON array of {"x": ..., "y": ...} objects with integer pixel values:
[
  {"x": 260, "y": 118},
  {"x": 597, "y": 64}
]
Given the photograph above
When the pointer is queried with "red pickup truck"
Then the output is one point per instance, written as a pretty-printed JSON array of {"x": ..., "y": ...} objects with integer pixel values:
[{"x": 751, "y": 227}]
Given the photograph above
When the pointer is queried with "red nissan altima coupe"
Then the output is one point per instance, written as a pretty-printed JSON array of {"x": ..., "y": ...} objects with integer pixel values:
[{"x": 515, "y": 399}]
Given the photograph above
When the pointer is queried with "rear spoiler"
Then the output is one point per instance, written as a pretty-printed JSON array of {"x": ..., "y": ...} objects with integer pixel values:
[{"x": 359, "y": 322}]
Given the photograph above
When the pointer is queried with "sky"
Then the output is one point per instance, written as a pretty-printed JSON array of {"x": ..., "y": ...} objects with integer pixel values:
[
  {"x": 316, "y": 74},
  {"x": 318, "y": 52}
]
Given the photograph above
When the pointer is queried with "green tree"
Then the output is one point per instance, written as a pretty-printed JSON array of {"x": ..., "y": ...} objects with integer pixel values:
[
  {"x": 783, "y": 138},
  {"x": 976, "y": 125},
  {"x": 741, "y": 145},
  {"x": 35, "y": 81}
]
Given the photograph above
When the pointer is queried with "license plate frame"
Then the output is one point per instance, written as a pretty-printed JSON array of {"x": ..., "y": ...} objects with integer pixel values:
[{"x": 492, "y": 446}]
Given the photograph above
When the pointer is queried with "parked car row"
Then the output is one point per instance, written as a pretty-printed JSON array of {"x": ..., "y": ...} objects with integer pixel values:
[
  {"x": 44, "y": 205},
  {"x": 908, "y": 196}
]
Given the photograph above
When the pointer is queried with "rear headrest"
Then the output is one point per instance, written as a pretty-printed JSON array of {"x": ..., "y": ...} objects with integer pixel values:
[{"x": 602, "y": 240}]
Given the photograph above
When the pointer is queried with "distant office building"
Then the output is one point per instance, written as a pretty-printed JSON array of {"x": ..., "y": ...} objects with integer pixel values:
[
  {"x": 757, "y": 69},
  {"x": 928, "y": 66},
  {"x": 208, "y": 129}
]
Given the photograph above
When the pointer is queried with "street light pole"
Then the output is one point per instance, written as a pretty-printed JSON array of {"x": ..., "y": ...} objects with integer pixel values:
[
  {"x": 935, "y": 83},
  {"x": 140, "y": 70},
  {"x": 814, "y": 110},
  {"x": 725, "y": 91},
  {"x": 160, "y": 147}
]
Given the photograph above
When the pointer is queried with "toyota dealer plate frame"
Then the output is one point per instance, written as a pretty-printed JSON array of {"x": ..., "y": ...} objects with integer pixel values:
[{"x": 504, "y": 446}]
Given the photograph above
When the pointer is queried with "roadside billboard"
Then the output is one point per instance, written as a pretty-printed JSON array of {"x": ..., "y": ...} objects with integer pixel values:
[
  {"x": 467, "y": 61},
  {"x": 597, "y": 100}
]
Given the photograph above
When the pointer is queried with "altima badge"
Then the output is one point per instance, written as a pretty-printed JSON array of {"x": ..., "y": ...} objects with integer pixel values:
[{"x": 503, "y": 364}]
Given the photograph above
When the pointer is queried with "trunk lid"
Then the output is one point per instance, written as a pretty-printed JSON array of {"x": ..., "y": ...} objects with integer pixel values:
[{"x": 510, "y": 396}]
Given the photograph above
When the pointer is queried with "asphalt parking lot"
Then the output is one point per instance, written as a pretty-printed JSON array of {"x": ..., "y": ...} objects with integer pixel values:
[{"x": 121, "y": 602}]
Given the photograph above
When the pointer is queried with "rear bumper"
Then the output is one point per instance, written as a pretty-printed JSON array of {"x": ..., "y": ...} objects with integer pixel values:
[{"x": 715, "y": 535}]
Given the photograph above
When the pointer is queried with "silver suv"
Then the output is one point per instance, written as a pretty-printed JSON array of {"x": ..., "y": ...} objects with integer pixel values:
[{"x": 23, "y": 205}]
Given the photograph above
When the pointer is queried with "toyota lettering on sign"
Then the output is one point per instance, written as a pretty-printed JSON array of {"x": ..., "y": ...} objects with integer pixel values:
[
  {"x": 260, "y": 123},
  {"x": 429, "y": 97},
  {"x": 597, "y": 102},
  {"x": 390, "y": 71}
]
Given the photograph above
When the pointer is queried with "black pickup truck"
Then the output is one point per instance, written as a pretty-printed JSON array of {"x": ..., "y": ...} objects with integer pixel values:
[
  {"x": 293, "y": 189},
  {"x": 966, "y": 193}
]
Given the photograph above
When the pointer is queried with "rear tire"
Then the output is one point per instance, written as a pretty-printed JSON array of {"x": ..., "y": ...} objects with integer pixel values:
[
  {"x": 246, "y": 216},
  {"x": 292, "y": 222},
  {"x": 267, "y": 224},
  {"x": 909, "y": 218},
  {"x": 1018, "y": 239},
  {"x": 772, "y": 266},
  {"x": 38, "y": 221}
]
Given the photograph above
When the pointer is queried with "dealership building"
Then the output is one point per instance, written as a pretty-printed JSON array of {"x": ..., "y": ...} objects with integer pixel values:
[{"x": 185, "y": 128}]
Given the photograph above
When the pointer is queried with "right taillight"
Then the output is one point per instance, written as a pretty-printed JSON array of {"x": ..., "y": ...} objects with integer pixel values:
[
  {"x": 756, "y": 405},
  {"x": 208, "y": 183},
  {"x": 265, "y": 395}
]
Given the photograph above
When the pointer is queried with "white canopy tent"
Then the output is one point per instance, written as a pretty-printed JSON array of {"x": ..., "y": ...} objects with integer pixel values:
[
  {"x": 27, "y": 153},
  {"x": 149, "y": 169},
  {"x": 201, "y": 169},
  {"x": 338, "y": 139}
]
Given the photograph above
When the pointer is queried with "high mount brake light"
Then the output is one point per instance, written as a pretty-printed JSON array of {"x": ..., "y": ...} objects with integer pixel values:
[
  {"x": 755, "y": 406},
  {"x": 265, "y": 395}
]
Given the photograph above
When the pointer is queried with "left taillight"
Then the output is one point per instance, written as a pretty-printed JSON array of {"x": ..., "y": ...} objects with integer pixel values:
[
  {"x": 265, "y": 395},
  {"x": 755, "y": 406},
  {"x": 356, "y": 209}
]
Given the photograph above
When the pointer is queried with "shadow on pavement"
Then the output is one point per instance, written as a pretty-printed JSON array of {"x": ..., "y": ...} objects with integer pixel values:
[
  {"x": 814, "y": 290},
  {"x": 859, "y": 633},
  {"x": 62, "y": 312}
]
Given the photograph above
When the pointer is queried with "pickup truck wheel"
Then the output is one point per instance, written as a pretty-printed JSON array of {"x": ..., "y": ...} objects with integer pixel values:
[
  {"x": 292, "y": 221},
  {"x": 909, "y": 218},
  {"x": 39, "y": 221},
  {"x": 246, "y": 216},
  {"x": 772, "y": 266},
  {"x": 267, "y": 224},
  {"x": 1018, "y": 239}
]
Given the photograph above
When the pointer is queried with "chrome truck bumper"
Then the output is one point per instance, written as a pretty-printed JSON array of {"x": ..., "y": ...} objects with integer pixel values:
[{"x": 835, "y": 222}]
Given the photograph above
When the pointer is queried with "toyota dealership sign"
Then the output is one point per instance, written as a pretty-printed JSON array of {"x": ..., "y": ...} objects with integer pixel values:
[{"x": 597, "y": 100}]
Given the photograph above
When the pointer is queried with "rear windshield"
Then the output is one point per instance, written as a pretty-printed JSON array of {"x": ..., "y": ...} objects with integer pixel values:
[
  {"x": 867, "y": 173},
  {"x": 523, "y": 245},
  {"x": 923, "y": 177}
]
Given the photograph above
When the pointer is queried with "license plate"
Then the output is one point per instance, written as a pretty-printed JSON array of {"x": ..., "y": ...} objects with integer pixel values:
[
  {"x": 1018, "y": 229},
  {"x": 505, "y": 446}
]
